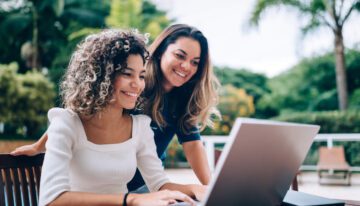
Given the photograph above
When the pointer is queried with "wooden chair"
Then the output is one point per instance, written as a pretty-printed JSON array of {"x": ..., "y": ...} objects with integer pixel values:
[
  {"x": 20, "y": 179},
  {"x": 332, "y": 162}
]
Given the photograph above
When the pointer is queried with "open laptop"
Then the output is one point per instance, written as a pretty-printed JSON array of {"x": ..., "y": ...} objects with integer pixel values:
[{"x": 259, "y": 162}]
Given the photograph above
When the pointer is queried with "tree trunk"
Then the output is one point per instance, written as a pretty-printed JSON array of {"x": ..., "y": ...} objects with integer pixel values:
[
  {"x": 341, "y": 81},
  {"x": 35, "y": 40}
]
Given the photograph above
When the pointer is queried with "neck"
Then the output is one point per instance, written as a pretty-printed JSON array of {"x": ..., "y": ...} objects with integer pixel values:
[
  {"x": 167, "y": 87},
  {"x": 107, "y": 119}
]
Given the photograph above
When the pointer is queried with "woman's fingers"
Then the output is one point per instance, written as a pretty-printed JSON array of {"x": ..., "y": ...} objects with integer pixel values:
[
  {"x": 176, "y": 195},
  {"x": 161, "y": 198},
  {"x": 28, "y": 150},
  {"x": 171, "y": 202},
  {"x": 19, "y": 151}
]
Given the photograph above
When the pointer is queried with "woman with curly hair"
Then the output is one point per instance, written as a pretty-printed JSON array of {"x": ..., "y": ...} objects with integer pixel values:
[
  {"x": 94, "y": 145},
  {"x": 180, "y": 96}
]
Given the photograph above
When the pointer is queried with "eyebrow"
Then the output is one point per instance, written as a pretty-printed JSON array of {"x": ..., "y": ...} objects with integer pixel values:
[
  {"x": 129, "y": 68},
  {"x": 186, "y": 53}
]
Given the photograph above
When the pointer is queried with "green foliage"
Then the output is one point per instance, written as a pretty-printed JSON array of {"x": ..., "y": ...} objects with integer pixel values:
[
  {"x": 25, "y": 99},
  {"x": 153, "y": 19},
  {"x": 332, "y": 15},
  {"x": 8, "y": 90},
  {"x": 60, "y": 26},
  {"x": 331, "y": 122},
  {"x": 316, "y": 12},
  {"x": 56, "y": 20},
  {"x": 355, "y": 99},
  {"x": 80, "y": 18},
  {"x": 352, "y": 70},
  {"x": 234, "y": 103},
  {"x": 256, "y": 85},
  {"x": 310, "y": 86},
  {"x": 124, "y": 13},
  {"x": 27, "y": 15},
  {"x": 262, "y": 5},
  {"x": 140, "y": 14},
  {"x": 357, "y": 6},
  {"x": 175, "y": 155}
]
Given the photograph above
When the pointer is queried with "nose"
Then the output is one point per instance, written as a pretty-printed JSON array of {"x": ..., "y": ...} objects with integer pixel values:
[
  {"x": 185, "y": 65},
  {"x": 136, "y": 82}
]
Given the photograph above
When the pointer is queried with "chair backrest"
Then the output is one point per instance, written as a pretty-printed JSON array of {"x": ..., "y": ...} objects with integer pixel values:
[
  {"x": 333, "y": 157},
  {"x": 20, "y": 179}
]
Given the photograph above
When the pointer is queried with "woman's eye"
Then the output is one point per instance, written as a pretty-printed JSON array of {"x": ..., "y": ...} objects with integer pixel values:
[
  {"x": 180, "y": 56},
  {"x": 195, "y": 63},
  {"x": 126, "y": 74},
  {"x": 142, "y": 77}
]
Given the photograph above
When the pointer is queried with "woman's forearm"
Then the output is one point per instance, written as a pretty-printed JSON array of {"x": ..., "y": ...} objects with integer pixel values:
[
  {"x": 196, "y": 156},
  {"x": 40, "y": 144},
  {"x": 161, "y": 198},
  {"x": 90, "y": 199},
  {"x": 32, "y": 149}
]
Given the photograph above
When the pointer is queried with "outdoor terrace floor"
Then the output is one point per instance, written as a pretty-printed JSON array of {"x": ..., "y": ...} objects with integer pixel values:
[{"x": 308, "y": 183}]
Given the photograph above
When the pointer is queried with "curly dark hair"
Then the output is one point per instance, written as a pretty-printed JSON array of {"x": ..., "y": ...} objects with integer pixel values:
[{"x": 87, "y": 85}]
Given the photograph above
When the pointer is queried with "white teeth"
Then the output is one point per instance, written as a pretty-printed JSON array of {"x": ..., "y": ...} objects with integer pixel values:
[
  {"x": 179, "y": 73},
  {"x": 131, "y": 94}
]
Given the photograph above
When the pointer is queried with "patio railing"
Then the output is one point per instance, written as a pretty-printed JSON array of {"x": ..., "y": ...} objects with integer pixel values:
[{"x": 210, "y": 142}]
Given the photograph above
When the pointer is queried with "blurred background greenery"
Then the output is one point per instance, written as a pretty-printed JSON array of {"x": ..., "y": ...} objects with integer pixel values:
[{"x": 37, "y": 38}]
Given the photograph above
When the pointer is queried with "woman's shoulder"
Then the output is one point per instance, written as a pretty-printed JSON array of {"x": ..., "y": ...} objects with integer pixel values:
[
  {"x": 141, "y": 119},
  {"x": 141, "y": 126},
  {"x": 62, "y": 114},
  {"x": 64, "y": 123}
]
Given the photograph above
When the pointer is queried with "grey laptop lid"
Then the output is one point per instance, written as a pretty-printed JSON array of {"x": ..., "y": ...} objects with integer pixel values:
[{"x": 259, "y": 162}]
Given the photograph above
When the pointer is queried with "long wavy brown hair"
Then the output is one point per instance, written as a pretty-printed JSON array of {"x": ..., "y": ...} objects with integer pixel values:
[
  {"x": 196, "y": 100},
  {"x": 87, "y": 85}
]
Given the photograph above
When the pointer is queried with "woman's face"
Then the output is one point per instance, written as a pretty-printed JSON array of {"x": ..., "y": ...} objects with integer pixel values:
[
  {"x": 180, "y": 62},
  {"x": 129, "y": 83}
]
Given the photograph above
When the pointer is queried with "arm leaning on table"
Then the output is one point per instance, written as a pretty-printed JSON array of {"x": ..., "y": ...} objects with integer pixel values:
[
  {"x": 195, "y": 153},
  {"x": 32, "y": 149},
  {"x": 196, "y": 156},
  {"x": 151, "y": 167}
]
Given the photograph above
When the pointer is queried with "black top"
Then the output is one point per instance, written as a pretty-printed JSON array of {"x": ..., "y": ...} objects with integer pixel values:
[{"x": 163, "y": 137}]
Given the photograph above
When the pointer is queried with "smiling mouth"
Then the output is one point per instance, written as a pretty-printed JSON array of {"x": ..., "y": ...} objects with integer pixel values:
[
  {"x": 131, "y": 94},
  {"x": 180, "y": 74}
]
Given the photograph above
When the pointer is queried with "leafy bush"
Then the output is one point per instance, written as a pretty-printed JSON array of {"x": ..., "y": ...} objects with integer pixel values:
[
  {"x": 354, "y": 102},
  {"x": 175, "y": 156},
  {"x": 233, "y": 103},
  {"x": 8, "y": 90},
  {"x": 25, "y": 100},
  {"x": 255, "y": 85},
  {"x": 330, "y": 121}
]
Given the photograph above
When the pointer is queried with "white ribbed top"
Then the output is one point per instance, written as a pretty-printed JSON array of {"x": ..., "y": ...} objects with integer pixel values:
[{"x": 72, "y": 163}]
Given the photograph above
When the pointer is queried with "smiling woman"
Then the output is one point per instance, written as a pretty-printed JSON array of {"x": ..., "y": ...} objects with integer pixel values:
[
  {"x": 180, "y": 62},
  {"x": 94, "y": 145},
  {"x": 130, "y": 83},
  {"x": 96, "y": 64},
  {"x": 180, "y": 95}
]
